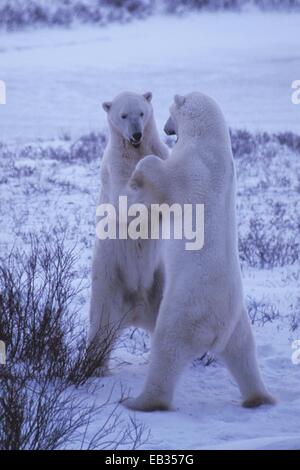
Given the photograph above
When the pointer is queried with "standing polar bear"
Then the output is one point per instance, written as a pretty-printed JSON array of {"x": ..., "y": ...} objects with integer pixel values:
[
  {"x": 127, "y": 280},
  {"x": 203, "y": 306}
]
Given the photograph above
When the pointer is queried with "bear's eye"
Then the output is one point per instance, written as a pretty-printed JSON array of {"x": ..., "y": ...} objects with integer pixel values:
[
  {"x": 142, "y": 114},
  {"x": 124, "y": 116}
]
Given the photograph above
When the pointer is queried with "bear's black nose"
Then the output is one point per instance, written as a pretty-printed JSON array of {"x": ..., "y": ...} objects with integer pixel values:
[{"x": 137, "y": 136}]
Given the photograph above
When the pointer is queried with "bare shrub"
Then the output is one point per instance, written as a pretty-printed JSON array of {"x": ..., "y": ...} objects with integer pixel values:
[
  {"x": 88, "y": 148},
  {"x": 290, "y": 140},
  {"x": 263, "y": 248},
  {"x": 44, "y": 414},
  {"x": 261, "y": 312},
  {"x": 182, "y": 6},
  {"x": 246, "y": 143},
  {"x": 39, "y": 321},
  {"x": 47, "y": 358},
  {"x": 15, "y": 14},
  {"x": 294, "y": 316},
  {"x": 206, "y": 360}
]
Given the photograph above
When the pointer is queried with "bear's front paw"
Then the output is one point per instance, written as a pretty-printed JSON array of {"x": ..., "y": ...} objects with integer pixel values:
[
  {"x": 143, "y": 403},
  {"x": 137, "y": 180}
]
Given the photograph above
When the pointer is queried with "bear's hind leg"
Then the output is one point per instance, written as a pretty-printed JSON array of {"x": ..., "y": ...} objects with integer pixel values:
[
  {"x": 105, "y": 326},
  {"x": 240, "y": 358},
  {"x": 170, "y": 352},
  {"x": 101, "y": 340}
]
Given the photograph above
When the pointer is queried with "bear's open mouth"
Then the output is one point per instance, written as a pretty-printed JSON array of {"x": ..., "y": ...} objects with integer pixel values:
[
  {"x": 134, "y": 143},
  {"x": 169, "y": 132}
]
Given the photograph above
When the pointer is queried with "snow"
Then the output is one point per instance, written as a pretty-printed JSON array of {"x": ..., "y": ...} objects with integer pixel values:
[
  {"x": 56, "y": 80},
  {"x": 39, "y": 194},
  {"x": 207, "y": 412}
]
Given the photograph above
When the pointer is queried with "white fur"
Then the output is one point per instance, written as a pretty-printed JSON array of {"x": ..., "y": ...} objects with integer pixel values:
[
  {"x": 203, "y": 304},
  {"x": 126, "y": 278}
]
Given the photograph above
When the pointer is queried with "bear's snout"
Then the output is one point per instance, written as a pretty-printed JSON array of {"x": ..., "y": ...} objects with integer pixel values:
[
  {"x": 137, "y": 136},
  {"x": 169, "y": 128}
]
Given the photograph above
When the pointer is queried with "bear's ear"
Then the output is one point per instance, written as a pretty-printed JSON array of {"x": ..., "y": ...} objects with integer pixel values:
[
  {"x": 148, "y": 96},
  {"x": 106, "y": 106},
  {"x": 179, "y": 100}
]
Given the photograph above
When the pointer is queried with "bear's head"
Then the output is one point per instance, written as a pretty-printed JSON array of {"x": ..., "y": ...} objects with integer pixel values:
[
  {"x": 193, "y": 115},
  {"x": 128, "y": 114}
]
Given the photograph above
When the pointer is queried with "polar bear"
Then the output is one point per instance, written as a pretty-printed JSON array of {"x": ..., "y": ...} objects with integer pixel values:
[
  {"x": 203, "y": 304},
  {"x": 126, "y": 279}
]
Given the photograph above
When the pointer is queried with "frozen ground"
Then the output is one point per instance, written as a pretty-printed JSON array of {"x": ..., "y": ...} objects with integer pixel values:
[
  {"x": 44, "y": 191},
  {"x": 56, "y": 79}
]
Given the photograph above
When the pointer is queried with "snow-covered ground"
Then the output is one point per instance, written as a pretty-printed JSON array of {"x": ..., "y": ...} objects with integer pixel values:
[
  {"x": 56, "y": 81},
  {"x": 43, "y": 194}
]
